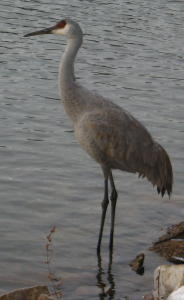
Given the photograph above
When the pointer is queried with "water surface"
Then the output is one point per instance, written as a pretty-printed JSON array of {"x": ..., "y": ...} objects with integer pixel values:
[{"x": 132, "y": 53}]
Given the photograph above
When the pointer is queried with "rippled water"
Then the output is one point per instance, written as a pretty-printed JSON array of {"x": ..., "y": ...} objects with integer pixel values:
[{"x": 132, "y": 53}]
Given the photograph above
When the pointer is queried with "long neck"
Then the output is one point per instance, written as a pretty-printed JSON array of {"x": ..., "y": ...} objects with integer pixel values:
[
  {"x": 66, "y": 71},
  {"x": 67, "y": 84}
]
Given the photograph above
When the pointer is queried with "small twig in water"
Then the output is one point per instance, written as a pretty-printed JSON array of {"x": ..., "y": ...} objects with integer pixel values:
[{"x": 55, "y": 281}]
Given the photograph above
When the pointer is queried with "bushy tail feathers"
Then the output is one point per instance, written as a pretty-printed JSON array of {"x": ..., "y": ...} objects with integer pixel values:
[
  {"x": 166, "y": 174},
  {"x": 160, "y": 172}
]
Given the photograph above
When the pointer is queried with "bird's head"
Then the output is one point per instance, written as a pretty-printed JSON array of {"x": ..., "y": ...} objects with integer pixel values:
[{"x": 65, "y": 27}]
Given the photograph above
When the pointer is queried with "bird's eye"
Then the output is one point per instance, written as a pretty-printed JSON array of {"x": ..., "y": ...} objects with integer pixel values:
[{"x": 61, "y": 24}]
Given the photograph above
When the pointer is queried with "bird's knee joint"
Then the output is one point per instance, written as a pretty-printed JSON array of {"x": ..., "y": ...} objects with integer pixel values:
[
  {"x": 114, "y": 195},
  {"x": 105, "y": 203}
]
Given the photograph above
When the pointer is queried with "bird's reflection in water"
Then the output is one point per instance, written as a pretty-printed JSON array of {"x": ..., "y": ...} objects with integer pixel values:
[{"x": 105, "y": 280}]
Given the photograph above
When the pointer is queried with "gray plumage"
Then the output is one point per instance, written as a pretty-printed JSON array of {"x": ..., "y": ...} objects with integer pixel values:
[{"x": 108, "y": 133}]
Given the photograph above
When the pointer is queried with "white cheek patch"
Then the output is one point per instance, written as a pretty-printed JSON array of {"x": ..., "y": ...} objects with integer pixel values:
[{"x": 61, "y": 30}]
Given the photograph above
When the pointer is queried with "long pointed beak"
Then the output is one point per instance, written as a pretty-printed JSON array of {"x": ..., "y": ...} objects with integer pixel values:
[{"x": 43, "y": 31}]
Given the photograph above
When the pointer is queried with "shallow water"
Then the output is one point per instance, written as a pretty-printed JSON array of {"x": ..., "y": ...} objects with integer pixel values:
[{"x": 132, "y": 53}]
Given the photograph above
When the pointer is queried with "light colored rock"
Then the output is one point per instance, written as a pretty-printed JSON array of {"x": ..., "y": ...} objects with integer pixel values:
[
  {"x": 177, "y": 295},
  {"x": 31, "y": 293},
  {"x": 167, "y": 278}
]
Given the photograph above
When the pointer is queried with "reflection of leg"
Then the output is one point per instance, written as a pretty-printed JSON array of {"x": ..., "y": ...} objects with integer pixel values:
[
  {"x": 113, "y": 199},
  {"x": 107, "y": 288},
  {"x": 105, "y": 203},
  {"x": 99, "y": 276},
  {"x": 110, "y": 278}
]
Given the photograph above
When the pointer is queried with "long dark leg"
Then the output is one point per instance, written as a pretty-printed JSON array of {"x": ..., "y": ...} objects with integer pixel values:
[
  {"x": 105, "y": 203},
  {"x": 113, "y": 199}
]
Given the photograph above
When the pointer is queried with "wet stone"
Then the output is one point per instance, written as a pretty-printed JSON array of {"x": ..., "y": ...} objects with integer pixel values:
[
  {"x": 32, "y": 293},
  {"x": 137, "y": 264}
]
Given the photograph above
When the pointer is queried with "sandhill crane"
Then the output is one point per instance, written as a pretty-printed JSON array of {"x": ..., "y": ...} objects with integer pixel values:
[{"x": 108, "y": 133}]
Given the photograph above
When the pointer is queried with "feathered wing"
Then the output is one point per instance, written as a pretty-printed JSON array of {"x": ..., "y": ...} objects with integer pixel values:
[
  {"x": 148, "y": 158},
  {"x": 117, "y": 140}
]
